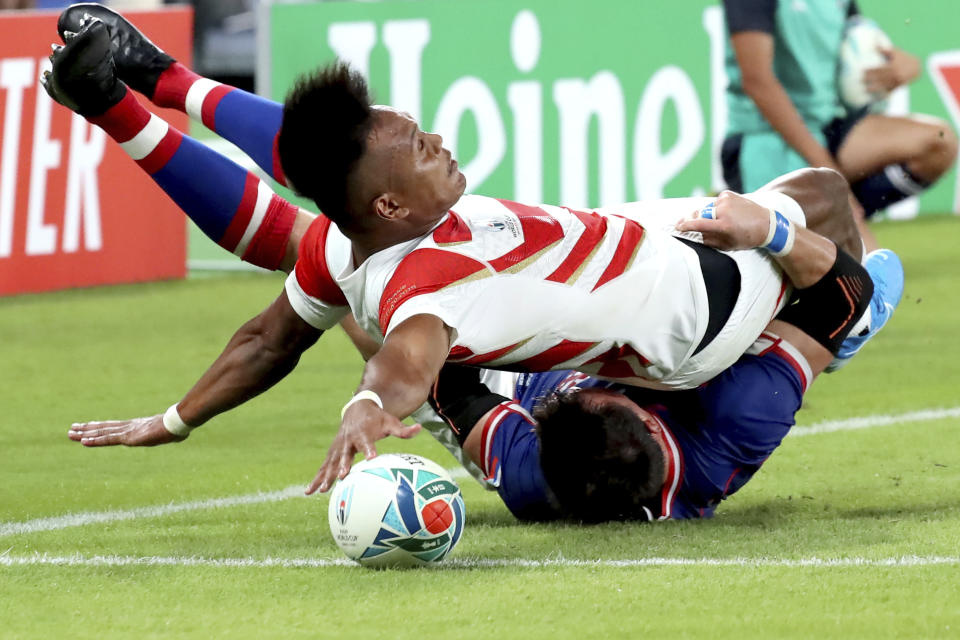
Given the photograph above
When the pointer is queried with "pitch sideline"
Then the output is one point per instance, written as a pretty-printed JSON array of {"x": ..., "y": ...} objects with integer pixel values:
[
  {"x": 476, "y": 563},
  {"x": 93, "y": 517}
]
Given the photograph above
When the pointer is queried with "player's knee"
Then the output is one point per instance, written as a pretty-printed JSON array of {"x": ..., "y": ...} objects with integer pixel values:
[
  {"x": 942, "y": 146},
  {"x": 836, "y": 189}
]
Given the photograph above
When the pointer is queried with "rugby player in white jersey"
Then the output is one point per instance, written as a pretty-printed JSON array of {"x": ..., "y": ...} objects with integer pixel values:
[{"x": 438, "y": 276}]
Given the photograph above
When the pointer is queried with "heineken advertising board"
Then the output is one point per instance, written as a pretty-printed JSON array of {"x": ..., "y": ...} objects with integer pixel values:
[{"x": 575, "y": 102}]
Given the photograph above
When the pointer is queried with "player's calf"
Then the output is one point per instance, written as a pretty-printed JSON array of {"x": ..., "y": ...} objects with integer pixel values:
[
  {"x": 231, "y": 205},
  {"x": 828, "y": 310}
]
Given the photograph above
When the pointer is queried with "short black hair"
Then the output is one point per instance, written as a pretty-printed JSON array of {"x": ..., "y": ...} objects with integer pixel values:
[
  {"x": 599, "y": 461},
  {"x": 326, "y": 118}
]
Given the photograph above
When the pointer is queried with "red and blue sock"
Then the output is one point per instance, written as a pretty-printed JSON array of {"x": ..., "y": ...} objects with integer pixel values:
[
  {"x": 230, "y": 204},
  {"x": 247, "y": 120}
]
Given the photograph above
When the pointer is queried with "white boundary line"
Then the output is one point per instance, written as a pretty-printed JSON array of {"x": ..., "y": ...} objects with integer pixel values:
[
  {"x": 94, "y": 517},
  {"x": 868, "y": 422},
  {"x": 475, "y": 563}
]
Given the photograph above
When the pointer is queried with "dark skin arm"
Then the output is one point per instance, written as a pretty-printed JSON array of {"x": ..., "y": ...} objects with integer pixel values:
[
  {"x": 259, "y": 355},
  {"x": 401, "y": 373}
]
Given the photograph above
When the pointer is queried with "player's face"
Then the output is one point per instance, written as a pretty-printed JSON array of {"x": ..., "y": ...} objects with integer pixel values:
[{"x": 421, "y": 176}]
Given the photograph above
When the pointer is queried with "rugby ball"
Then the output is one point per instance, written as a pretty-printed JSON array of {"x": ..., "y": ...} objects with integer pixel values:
[
  {"x": 396, "y": 510},
  {"x": 860, "y": 49}
]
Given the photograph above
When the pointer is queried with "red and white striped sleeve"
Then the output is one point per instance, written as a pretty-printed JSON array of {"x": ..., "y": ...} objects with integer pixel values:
[{"x": 311, "y": 289}]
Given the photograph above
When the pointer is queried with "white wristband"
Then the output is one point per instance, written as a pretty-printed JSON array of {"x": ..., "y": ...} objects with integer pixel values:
[
  {"x": 173, "y": 423},
  {"x": 366, "y": 394}
]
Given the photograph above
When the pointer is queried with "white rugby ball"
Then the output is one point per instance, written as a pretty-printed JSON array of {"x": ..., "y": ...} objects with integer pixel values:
[
  {"x": 860, "y": 49},
  {"x": 396, "y": 510}
]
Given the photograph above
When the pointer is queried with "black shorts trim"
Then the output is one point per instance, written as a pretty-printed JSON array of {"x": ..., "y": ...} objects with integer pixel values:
[{"x": 722, "y": 279}]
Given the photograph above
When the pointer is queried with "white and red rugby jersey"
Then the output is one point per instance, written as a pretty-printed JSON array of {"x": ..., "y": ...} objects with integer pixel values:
[{"x": 525, "y": 288}]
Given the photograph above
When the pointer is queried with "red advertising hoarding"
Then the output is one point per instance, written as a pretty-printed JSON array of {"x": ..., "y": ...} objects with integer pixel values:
[{"x": 75, "y": 210}]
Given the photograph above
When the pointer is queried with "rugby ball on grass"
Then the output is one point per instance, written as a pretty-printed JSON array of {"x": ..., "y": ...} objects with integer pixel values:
[{"x": 396, "y": 510}]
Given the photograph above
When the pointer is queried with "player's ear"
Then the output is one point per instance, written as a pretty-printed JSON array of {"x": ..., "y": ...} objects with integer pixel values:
[
  {"x": 386, "y": 207},
  {"x": 651, "y": 423}
]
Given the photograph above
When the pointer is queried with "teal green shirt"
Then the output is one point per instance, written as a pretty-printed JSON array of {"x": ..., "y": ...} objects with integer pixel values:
[{"x": 806, "y": 36}]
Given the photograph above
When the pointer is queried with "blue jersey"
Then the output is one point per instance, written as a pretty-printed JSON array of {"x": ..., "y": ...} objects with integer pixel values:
[{"x": 717, "y": 436}]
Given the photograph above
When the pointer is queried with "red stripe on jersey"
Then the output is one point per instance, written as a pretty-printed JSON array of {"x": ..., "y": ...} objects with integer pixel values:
[
  {"x": 278, "y": 174},
  {"x": 453, "y": 231},
  {"x": 423, "y": 271},
  {"x": 674, "y": 470},
  {"x": 489, "y": 431},
  {"x": 783, "y": 290},
  {"x": 123, "y": 120},
  {"x": 459, "y": 352},
  {"x": 546, "y": 360},
  {"x": 162, "y": 153},
  {"x": 269, "y": 244},
  {"x": 482, "y": 358},
  {"x": 312, "y": 272},
  {"x": 241, "y": 218},
  {"x": 623, "y": 256},
  {"x": 595, "y": 228},
  {"x": 540, "y": 230},
  {"x": 616, "y": 363},
  {"x": 208, "y": 111}
]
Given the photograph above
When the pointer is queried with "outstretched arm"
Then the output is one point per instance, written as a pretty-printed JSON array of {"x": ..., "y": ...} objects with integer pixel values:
[
  {"x": 396, "y": 381},
  {"x": 259, "y": 355}
]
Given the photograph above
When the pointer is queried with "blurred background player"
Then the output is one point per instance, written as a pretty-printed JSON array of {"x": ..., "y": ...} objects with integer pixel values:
[{"x": 784, "y": 111}]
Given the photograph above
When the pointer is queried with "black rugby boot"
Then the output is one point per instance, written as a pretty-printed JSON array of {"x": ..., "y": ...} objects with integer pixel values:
[
  {"x": 139, "y": 61},
  {"x": 84, "y": 78}
]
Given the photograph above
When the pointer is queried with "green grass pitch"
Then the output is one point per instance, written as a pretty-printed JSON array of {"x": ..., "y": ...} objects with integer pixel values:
[{"x": 844, "y": 533}]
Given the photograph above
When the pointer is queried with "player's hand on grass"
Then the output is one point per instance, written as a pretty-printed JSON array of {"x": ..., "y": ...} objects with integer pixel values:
[
  {"x": 363, "y": 424},
  {"x": 139, "y": 432},
  {"x": 734, "y": 222}
]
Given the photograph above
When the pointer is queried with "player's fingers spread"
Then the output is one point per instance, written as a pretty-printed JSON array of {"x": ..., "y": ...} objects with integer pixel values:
[
  {"x": 407, "y": 431},
  {"x": 103, "y": 440},
  {"x": 316, "y": 483},
  {"x": 346, "y": 461}
]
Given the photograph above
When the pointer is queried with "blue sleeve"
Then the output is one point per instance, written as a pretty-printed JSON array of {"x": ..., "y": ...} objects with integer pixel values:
[
  {"x": 510, "y": 455},
  {"x": 736, "y": 422},
  {"x": 750, "y": 15}
]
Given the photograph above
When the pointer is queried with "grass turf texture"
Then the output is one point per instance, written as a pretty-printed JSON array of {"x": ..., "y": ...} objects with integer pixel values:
[{"x": 870, "y": 495}]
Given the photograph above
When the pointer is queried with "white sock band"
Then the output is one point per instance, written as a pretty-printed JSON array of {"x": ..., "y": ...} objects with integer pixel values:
[
  {"x": 173, "y": 423},
  {"x": 366, "y": 394}
]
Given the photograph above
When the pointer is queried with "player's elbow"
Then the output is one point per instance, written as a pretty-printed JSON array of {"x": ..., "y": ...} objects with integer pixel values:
[{"x": 758, "y": 82}]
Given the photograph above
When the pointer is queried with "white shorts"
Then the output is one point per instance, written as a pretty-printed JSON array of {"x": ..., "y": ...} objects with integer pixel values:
[{"x": 763, "y": 289}]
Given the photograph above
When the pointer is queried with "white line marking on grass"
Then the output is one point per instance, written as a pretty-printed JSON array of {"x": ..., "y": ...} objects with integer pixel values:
[
  {"x": 868, "y": 422},
  {"x": 474, "y": 563},
  {"x": 91, "y": 517}
]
